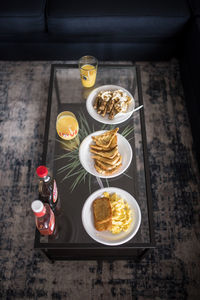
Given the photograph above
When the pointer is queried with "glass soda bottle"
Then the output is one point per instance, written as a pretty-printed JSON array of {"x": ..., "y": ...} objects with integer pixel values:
[
  {"x": 48, "y": 192},
  {"x": 44, "y": 217}
]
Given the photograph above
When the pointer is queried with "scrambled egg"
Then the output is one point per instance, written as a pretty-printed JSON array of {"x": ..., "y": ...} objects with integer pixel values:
[{"x": 121, "y": 213}]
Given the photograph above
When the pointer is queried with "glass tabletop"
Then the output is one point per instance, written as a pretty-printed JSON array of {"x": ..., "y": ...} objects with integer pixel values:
[{"x": 66, "y": 93}]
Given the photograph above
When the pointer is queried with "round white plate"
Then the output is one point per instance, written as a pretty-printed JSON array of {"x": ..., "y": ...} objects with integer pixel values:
[
  {"x": 120, "y": 117},
  {"x": 85, "y": 156},
  {"x": 106, "y": 237}
]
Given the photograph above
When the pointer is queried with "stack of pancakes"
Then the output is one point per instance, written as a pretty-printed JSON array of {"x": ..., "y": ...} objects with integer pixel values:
[{"x": 105, "y": 152}]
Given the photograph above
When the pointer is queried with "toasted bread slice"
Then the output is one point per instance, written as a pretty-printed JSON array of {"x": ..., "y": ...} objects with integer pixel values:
[
  {"x": 109, "y": 172},
  {"x": 108, "y": 167},
  {"x": 104, "y": 226},
  {"x": 107, "y": 154},
  {"x": 102, "y": 210},
  {"x": 107, "y": 160},
  {"x": 112, "y": 145},
  {"x": 104, "y": 140}
]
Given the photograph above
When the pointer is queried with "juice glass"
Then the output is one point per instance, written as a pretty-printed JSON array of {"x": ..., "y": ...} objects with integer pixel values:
[
  {"x": 67, "y": 125},
  {"x": 88, "y": 70}
]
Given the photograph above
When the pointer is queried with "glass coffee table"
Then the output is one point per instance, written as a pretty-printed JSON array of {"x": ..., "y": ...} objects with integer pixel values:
[{"x": 75, "y": 185}]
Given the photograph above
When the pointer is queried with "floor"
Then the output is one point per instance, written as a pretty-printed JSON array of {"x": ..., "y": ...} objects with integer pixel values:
[{"x": 172, "y": 270}]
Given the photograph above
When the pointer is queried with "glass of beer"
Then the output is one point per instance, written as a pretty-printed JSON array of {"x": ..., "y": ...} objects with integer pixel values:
[
  {"x": 88, "y": 70},
  {"x": 67, "y": 125}
]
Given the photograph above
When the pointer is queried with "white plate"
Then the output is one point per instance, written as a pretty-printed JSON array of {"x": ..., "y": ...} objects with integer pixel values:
[
  {"x": 120, "y": 117},
  {"x": 85, "y": 156},
  {"x": 106, "y": 237}
]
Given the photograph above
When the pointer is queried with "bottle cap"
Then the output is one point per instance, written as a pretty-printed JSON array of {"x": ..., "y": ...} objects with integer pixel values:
[
  {"x": 42, "y": 171},
  {"x": 38, "y": 208}
]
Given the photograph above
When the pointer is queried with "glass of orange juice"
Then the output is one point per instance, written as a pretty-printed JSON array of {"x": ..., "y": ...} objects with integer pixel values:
[
  {"x": 88, "y": 70},
  {"x": 67, "y": 125}
]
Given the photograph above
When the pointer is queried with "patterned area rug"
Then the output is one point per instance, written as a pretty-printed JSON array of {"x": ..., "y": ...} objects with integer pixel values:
[{"x": 172, "y": 270}]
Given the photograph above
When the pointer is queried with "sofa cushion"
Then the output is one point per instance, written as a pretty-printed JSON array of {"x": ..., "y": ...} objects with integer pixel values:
[
  {"x": 131, "y": 19},
  {"x": 22, "y": 16}
]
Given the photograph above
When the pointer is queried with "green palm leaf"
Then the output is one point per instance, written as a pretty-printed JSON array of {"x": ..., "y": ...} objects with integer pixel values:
[{"x": 72, "y": 166}]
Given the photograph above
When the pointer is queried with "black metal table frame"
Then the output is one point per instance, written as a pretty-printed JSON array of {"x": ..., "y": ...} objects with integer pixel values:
[{"x": 72, "y": 252}]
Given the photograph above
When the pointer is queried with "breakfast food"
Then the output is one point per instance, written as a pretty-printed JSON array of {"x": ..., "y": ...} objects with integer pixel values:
[
  {"x": 103, "y": 226},
  {"x": 111, "y": 103},
  {"x": 106, "y": 166},
  {"x": 112, "y": 213},
  {"x": 106, "y": 172},
  {"x": 102, "y": 214},
  {"x": 104, "y": 140},
  {"x": 105, "y": 152},
  {"x": 107, "y": 161},
  {"x": 121, "y": 213},
  {"x": 113, "y": 144}
]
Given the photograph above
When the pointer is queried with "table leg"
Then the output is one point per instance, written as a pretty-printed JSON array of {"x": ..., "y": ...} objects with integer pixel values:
[
  {"x": 143, "y": 254},
  {"x": 46, "y": 256}
]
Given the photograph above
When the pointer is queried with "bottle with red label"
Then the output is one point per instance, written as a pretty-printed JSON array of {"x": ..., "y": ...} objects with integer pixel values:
[
  {"x": 44, "y": 217},
  {"x": 48, "y": 192}
]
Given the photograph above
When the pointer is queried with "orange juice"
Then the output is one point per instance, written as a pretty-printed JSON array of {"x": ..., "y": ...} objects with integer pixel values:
[
  {"x": 88, "y": 75},
  {"x": 67, "y": 126}
]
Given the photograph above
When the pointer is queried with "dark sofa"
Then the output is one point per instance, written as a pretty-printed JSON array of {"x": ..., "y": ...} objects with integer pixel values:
[{"x": 132, "y": 30}]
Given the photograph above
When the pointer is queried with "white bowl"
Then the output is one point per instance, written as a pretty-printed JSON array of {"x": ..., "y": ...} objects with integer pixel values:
[
  {"x": 85, "y": 156},
  {"x": 120, "y": 117},
  {"x": 106, "y": 237}
]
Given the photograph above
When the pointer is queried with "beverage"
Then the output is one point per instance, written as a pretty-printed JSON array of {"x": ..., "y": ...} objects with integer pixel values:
[
  {"x": 88, "y": 70},
  {"x": 44, "y": 217},
  {"x": 88, "y": 75},
  {"x": 48, "y": 192},
  {"x": 67, "y": 125}
]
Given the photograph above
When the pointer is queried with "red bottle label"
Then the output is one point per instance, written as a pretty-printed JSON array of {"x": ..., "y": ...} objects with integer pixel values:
[
  {"x": 52, "y": 223},
  {"x": 46, "y": 224},
  {"x": 55, "y": 192}
]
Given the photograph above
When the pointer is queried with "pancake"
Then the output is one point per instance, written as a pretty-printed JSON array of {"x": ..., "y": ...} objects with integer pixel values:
[
  {"x": 104, "y": 140},
  {"x": 107, "y": 167},
  {"x": 109, "y": 172},
  {"x": 107, "y": 154},
  {"x": 107, "y": 160},
  {"x": 112, "y": 145}
]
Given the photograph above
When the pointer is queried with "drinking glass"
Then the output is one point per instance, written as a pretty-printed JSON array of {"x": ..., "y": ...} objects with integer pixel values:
[
  {"x": 67, "y": 125},
  {"x": 88, "y": 70}
]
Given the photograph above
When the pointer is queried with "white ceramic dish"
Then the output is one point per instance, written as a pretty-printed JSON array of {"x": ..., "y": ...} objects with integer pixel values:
[
  {"x": 106, "y": 237},
  {"x": 120, "y": 117},
  {"x": 85, "y": 156}
]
